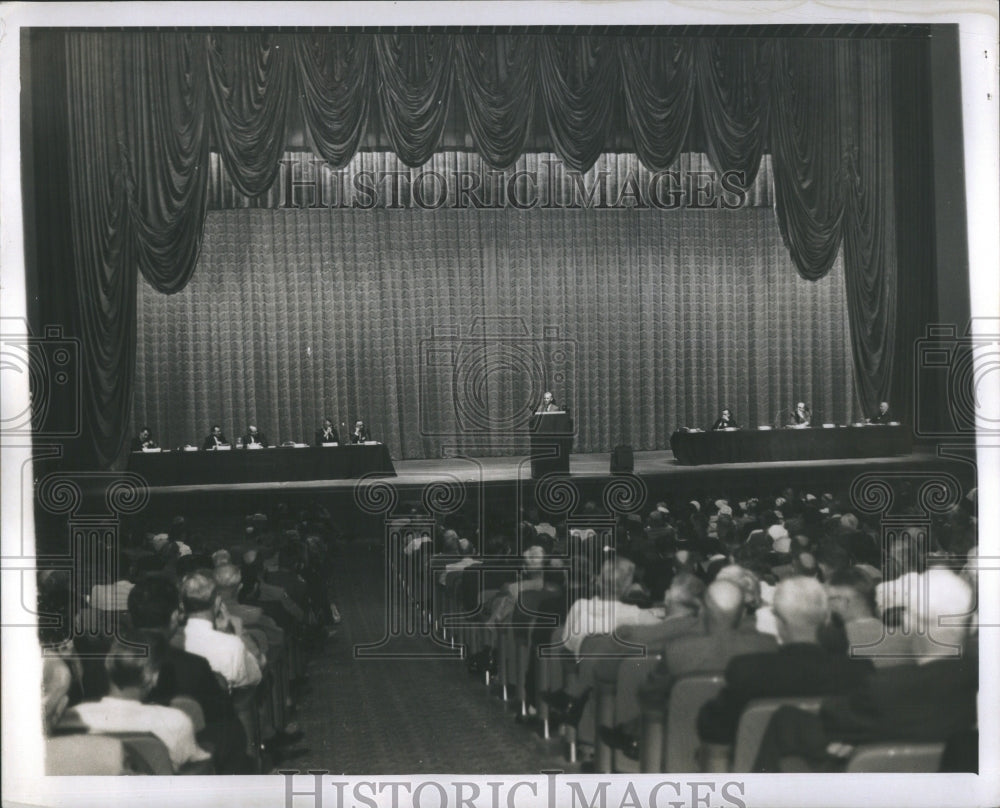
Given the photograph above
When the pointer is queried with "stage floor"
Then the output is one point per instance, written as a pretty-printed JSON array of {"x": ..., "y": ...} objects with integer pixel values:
[{"x": 654, "y": 465}]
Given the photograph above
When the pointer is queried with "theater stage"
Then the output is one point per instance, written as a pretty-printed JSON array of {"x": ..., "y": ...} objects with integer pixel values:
[{"x": 659, "y": 470}]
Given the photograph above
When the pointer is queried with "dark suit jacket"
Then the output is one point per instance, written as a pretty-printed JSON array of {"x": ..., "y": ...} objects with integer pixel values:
[
  {"x": 185, "y": 674},
  {"x": 138, "y": 445},
  {"x": 712, "y": 652},
  {"x": 365, "y": 435},
  {"x": 882, "y": 417},
  {"x": 919, "y": 703},
  {"x": 209, "y": 442},
  {"x": 261, "y": 439},
  {"x": 720, "y": 424},
  {"x": 906, "y": 703},
  {"x": 320, "y": 439},
  {"x": 292, "y": 583},
  {"x": 796, "y": 669}
]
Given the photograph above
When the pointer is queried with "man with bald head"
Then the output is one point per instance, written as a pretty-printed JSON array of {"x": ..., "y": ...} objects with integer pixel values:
[
  {"x": 800, "y": 667},
  {"x": 932, "y": 700},
  {"x": 709, "y": 652}
]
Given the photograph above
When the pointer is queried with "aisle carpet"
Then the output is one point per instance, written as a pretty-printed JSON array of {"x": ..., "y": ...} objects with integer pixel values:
[{"x": 410, "y": 716}]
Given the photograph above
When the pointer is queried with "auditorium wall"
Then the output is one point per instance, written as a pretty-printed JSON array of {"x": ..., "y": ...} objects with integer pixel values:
[{"x": 442, "y": 327}]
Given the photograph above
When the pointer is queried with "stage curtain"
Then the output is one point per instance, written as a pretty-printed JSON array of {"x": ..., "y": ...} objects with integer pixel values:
[
  {"x": 497, "y": 80},
  {"x": 335, "y": 74},
  {"x": 145, "y": 108},
  {"x": 443, "y": 328}
]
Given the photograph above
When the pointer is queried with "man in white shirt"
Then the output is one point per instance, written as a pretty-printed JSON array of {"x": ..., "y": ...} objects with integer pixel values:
[
  {"x": 227, "y": 655},
  {"x": 130, "y": 678}
]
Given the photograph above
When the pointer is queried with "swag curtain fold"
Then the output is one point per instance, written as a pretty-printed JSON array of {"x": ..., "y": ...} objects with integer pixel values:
[{"x": 146, "y": 108}]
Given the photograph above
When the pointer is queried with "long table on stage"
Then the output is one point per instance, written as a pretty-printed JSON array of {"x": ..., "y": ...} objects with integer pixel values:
[
  {"x": 262, "y": 465},
  {"x": 763, "y": 445}
]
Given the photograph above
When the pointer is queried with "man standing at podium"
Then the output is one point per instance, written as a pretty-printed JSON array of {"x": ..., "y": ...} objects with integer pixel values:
[{"x": 549, "y": 404}]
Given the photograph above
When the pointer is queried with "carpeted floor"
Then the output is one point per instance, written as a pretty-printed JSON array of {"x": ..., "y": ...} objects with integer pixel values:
[{"x": 403, "y": 716}]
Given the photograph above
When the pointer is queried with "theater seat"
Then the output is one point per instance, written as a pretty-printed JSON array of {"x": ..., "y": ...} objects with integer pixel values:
[
  {"x": 84, "y": 755},
  {"x": 753, "y": 723},
  {"x": 191, "y": 709},
  {"x": 144, "y": 753},
  {"x": 894, "y": 758},
  {"x": 686, "y": 698}
]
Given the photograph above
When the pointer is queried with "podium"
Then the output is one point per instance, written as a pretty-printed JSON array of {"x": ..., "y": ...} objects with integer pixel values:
[{"x": 551, "y": 441}]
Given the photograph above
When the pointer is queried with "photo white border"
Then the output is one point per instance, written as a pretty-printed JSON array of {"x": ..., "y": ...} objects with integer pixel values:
[{"x": 978, "y": 31}]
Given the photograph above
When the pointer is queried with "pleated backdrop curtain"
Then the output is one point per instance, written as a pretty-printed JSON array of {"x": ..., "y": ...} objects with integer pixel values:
[
  {"x": 144, "y": 109},
  {"x": 443, "y": 328}
]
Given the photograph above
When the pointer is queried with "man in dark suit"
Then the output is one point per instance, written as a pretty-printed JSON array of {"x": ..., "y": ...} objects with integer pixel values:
[
  {"x": 927, "y": 702},
  {"x": 144, "y": 440},
  {"x": 328, "y": 433},
  {"x": 153, "y": 608},
  {"x": 214, "y": 439},
  {"x": 360, "y": 432},
  {"x": 254, "y": 438},
  {"x": 800, "y": 416},
  {"x": 883, "y": 416},
  {"x": 725, "y": 421},
  {"x": 800, "y": 667}
]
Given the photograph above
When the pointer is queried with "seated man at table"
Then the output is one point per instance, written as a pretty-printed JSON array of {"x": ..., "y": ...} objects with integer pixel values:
[
  {"x": 144, "y": 440},
  {"x": 327, "y": 434},
  {"x": 360, "y": 432},
  {"x": 883, "y": 416},
  {"x": 725, "y": 421},
  {"x": 254, "y": 439},
  {"x": 800, "y": 416},
  {"x": 214, "y": 439}
]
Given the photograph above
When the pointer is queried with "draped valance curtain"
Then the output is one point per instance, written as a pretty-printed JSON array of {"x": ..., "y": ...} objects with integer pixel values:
[{"x": 145, "y": 110}]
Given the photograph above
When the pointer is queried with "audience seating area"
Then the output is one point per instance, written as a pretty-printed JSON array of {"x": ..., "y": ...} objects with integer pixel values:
[
  {"x": 729, "y": 633},
  {"x": 132, "y": 688},
  {"x": 813, "y": 576}
]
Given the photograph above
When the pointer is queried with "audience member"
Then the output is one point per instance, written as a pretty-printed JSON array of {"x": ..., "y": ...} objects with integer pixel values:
[
  {"x": 226, "y": 653},
  {"x": 132, "y": 665},
  {"x": 800, "y": 667},
  {"x": 932, "y": 700}
]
